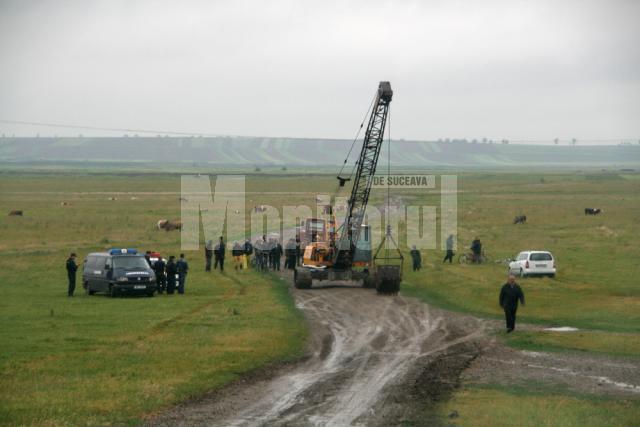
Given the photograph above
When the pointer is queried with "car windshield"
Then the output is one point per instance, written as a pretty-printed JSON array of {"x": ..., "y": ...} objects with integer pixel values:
[
  {"x": 541, "y": 256},
  {"x": 130, "y": 262}
]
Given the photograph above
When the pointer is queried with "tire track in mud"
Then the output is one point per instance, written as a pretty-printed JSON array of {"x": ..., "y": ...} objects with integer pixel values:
[{"x": 368, "y": 355}]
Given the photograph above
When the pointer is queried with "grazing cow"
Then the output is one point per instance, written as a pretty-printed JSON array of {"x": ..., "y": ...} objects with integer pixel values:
[
  {"x": 15, "y": 213},
  {"x": 65, "y": 204},
  {"x": 167, "y": 225},
  {"x": 520, "y": 219},
  {"x": 592, "y": 211},
  {"x": 112, "y": 198}
]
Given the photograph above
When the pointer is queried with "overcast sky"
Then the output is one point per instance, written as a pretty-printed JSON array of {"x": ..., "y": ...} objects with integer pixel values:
[{"x": 468, "y": 69}]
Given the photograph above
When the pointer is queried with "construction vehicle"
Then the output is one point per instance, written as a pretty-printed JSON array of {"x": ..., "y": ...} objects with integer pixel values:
[{"x": 345, "y": 253}]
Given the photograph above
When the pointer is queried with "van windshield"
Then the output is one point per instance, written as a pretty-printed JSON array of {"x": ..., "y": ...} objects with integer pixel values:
[
  {"x": 130, "y": 262},
  {"x": 541, "y": 256}
]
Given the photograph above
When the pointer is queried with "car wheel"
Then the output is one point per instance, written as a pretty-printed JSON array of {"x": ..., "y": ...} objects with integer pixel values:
[
  {"x": 113, "y": 291},
  {"x": 87, "y": 289},
  {"x": 552, "y": 275},
  {"x": 150, "y": 294}
]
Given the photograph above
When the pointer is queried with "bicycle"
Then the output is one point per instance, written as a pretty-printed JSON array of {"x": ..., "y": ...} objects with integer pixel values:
[{"x": 468, "y": 258}]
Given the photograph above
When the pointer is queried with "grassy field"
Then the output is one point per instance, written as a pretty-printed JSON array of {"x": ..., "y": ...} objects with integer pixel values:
[
  {"x": 535, "y": 407},
  {"x": 596, "y": 285},
  {"x": 97, "y": 360}
]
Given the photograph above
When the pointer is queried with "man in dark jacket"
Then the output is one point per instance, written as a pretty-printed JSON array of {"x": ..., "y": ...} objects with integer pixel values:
[
  {"x": 476, "y": 250},
  {"x": 509, "y": 296},
  {"x": 183, "y": 268},
  {"x": 416, "y": 257},
  {"x": 276, "y": 253},
  {"x": 298, "y": 250},
  {"x": 290, "y": 255},
  {"x": 220, "y": 249},
  {"x": 72, "y": 267},
  {"x": 172, "y": 270},
  {"x": 161, "y": 277},
  {"x": 208, "y": 254}
]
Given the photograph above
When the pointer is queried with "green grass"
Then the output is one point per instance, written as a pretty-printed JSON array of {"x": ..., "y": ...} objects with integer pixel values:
[
  {"x": 596, "y": 285},
  {"x": 536, "y": 406},
  {"x": 97, "y": 360},
  {"x": 611, "y": 343},
  {"x": 94, "y": 360}
]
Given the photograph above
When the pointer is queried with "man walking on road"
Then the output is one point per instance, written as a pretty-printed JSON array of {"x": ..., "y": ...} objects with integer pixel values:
[
  {"x": 183, "y": 268},
  {"x": 72, "y": 267},
  {"x": 509, "y": 296}
]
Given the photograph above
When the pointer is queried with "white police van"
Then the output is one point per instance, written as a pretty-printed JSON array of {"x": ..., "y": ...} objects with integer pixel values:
[{"x": 119, "y": 271}]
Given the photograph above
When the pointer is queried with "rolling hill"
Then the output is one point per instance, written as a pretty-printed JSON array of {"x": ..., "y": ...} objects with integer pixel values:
[{"x": 250, "y": 151}]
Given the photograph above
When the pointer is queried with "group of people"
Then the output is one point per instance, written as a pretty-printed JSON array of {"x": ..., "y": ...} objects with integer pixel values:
[
  {"x": 172, "y": 275},
  {"x": 166, "y": 273},
  {"x": 241, "y": 252},
  {"x": 476, "y": 252},
  {"x": 265, "y": 254},
  {"x": 269, "y": 253}
]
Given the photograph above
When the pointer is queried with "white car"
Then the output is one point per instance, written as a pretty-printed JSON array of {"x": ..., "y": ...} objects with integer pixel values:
[{"x": 533, "y": 263}]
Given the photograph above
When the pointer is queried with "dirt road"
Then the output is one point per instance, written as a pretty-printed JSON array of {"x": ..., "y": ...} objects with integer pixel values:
[
  {"x": 382, "y": 360},
  {"x": 367, "y": 364}
]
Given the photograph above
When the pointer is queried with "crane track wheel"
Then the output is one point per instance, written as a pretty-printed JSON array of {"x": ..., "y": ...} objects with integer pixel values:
[
  {"x": 369, "y": 281},
  {"x": 302, "y": 278}
]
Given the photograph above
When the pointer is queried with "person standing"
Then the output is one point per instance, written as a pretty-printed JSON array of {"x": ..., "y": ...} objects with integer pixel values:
[
  {"x": 510, "y": 294},
  {"x": 172, "y": 270},
  {"x": 183, "y": 268},
  {"x": 276, "y": 255},
  {"x": 290, "y": 255},
  {"x": 416, "y": 257},
  {"x": 161, "y": 277},
  {"x": 450, "y": 254},
  {"x": 147, "y": 257},
  {"x": 236, "y": 253},
  {"x": 208, "y": 254},
  {"x": 72, "y": 267},
  {"x": 220, "y": 250},
  {"x": 298, "y": 250},
  {"x": 476, "y": 250},
  {"x": 248, "y": 251}
]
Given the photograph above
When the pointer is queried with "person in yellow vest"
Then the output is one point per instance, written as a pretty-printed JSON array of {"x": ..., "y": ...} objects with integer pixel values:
[{"x": 237, "y": 251}]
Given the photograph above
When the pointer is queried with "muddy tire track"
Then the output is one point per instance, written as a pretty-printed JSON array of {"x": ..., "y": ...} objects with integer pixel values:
[{"x": 365, "y": 352}]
